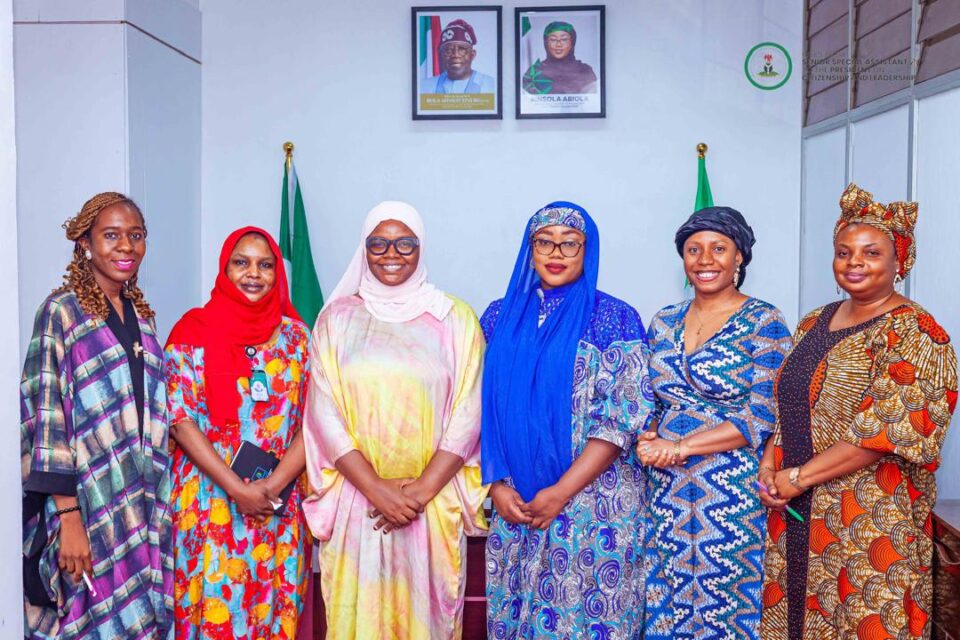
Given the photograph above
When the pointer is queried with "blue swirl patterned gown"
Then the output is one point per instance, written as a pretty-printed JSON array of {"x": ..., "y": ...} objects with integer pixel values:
[
  {"x": 705, "y": 541},
  {"x": 583, "y": 577}
]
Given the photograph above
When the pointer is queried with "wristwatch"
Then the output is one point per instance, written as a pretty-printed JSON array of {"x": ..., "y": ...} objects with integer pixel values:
[{"x": 794, "y": 478}]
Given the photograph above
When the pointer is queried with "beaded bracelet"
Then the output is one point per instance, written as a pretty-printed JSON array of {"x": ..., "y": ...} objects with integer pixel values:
[{"x": 60, "y": 512}]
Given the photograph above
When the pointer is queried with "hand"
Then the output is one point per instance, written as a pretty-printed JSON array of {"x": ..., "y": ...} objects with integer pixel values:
[
  {"x": 659, "y": 453},
  {"x": 508, "y": 503},
  {"x": 391, "y": 507},
  {"x": 272, "y": 492},
  {"x": 545, "y": 506},
  {"x": 783, "y": 487},
  {"x": 409, "y": 487},
  {"x": 74, "y": 546},
  {"x": 644, "y": 439},
  {"x": 253, "y": 499},
  {"x": 770, "y": 498}
]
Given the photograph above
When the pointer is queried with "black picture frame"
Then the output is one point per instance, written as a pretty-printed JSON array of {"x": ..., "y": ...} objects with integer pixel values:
[
  {"x": 531, "y": 104},
  {"x": 420, "y": 110}
]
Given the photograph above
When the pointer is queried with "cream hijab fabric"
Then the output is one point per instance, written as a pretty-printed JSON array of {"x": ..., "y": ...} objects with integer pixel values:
[{"x": 387, "y": 303}]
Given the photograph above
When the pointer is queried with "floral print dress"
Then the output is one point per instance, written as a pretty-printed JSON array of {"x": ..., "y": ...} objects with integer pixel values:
[{"x": 233, "y": 578}]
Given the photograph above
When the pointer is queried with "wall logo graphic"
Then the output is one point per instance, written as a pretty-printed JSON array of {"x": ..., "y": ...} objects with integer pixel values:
[{"x": 768, "y": 66}]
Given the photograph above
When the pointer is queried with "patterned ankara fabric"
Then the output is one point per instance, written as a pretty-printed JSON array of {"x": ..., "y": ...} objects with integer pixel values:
[
  {"x": 235, "y": 579},
  {"x": 396, "y": 392},
  {"x": 79, "y": 435},
  {"x": 859, "y": 567},
  {"x": 896, "y": 220},
  {"x": 583, "y": 577},
  {"x": 705, "y": 541}
]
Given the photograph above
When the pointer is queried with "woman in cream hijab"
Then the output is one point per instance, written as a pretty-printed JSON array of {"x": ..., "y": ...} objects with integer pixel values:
[{"x": 392, "y": 435}]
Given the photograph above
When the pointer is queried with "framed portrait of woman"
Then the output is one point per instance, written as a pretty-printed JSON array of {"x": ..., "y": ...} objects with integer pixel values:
[
  {"x": 560, "y": 62},
  {"x": 456, "y": 62}
]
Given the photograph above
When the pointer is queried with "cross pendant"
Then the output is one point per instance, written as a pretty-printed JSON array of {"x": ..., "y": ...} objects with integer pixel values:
[{"x": 137, "y": 349}]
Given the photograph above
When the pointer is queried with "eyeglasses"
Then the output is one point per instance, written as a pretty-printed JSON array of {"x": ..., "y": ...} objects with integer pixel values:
[
  {"x": 568, "y": 248},
  {"x": 404, "y": 246}
]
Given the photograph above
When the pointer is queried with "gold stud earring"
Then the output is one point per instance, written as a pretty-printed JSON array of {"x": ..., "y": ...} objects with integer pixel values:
[{"x": 87, "y": 254}]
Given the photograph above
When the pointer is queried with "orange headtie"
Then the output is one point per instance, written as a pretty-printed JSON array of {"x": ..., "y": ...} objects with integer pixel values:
[{"x": 896, "y": 220}]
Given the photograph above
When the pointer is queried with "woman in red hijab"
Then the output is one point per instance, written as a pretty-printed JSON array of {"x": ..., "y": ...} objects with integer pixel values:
[{"x": 236, "y": 371}]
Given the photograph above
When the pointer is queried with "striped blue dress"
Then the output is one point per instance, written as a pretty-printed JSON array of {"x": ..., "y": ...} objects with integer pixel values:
[{"x": 705, "y": 541}]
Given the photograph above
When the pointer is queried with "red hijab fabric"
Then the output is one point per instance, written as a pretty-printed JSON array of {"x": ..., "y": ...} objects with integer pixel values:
[{"x": 227, "y": 324}]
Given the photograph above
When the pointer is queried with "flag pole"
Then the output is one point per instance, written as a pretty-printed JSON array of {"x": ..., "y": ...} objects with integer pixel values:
[
  {"x": 701, "y": 149},
  {"x": 288, "y": 149}
]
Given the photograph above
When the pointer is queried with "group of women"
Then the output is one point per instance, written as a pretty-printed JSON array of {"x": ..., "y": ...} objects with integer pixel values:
[{"x": 709, "y": 476}]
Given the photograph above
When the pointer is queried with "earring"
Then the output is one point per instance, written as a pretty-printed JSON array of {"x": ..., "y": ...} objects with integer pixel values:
[
  {"x": 736, "y": 276},
  {"x": 839, "y": 291},
  {"x": 87, "y": 254},
  {"x": 898, "y": 283}
]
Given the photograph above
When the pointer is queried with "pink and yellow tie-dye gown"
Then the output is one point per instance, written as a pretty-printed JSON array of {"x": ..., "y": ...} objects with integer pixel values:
[{"x": 396, "y": 392}]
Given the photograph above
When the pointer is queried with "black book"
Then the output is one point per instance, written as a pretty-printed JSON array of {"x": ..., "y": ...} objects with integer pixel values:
[{"x": 253, "y": 463}]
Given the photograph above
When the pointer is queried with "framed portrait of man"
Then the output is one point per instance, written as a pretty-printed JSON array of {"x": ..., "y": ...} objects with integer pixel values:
[
  {"x": 457, "y": 63},
  {"x": 560, "y": 62}
]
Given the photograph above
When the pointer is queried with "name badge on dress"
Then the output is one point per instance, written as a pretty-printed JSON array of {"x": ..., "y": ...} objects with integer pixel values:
[{"x": 259, "y": 390}]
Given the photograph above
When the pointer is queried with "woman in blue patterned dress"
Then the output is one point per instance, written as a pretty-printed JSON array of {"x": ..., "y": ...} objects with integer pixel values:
[
  {"x": 713, "y": 364},
  {"x": 564, "y": 554}
]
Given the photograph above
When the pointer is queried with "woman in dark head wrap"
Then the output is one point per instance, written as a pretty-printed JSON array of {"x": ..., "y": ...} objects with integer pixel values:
[
  {"x": 561, "y": 72},
  {"x": 712, "y": 366}
]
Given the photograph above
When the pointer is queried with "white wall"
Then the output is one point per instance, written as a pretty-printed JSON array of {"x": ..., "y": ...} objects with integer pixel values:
[
  {"x": 334, "y": 78},
  {"x": 163, "y": 95},
  {"x": 11, "y": 599},
  {"x": 108, "y": 96},
  {"x": 938, "y": 225},
  {"x": 824, "y": 178}
]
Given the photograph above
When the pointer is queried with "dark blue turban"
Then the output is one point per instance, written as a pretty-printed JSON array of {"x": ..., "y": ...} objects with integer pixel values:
[{"x": 723, "y": 220}]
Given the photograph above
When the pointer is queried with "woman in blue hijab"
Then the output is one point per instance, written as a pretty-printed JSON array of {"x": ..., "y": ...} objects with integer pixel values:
[{"x": 565, "y": 395}]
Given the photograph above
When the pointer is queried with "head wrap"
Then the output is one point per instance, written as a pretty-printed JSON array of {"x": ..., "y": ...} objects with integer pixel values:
[
  {"x": 228, "y": 323},
  {"x": 458, "y": 31},
  {"x": 723, "y": 220},
  {"x": 392, "y": 303},
  {"x": 529, "y": 370},
  {"x": 557, "y": 25},
  {"x": 896, "y": 220}
]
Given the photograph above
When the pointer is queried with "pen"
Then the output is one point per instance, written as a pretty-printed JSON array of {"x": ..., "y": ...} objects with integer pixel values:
[
  {"x": 89, "y": 584},
  {"x": 789, "y": 510}
]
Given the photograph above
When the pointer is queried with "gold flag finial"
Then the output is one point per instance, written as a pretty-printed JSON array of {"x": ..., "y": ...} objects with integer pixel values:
[
  {"x": 288, "y": 149},
  {"x": 701, "y": 150}
]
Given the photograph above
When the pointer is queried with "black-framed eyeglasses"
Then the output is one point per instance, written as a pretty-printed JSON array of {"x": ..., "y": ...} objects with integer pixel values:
[
  {"x": 568, "y": 248},
  {"x": 404, "y": 246}
]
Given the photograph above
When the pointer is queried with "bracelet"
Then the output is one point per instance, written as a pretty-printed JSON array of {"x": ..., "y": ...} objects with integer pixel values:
[
  {"x": 766, "y": 468},
  {"x": 676, "y": 449},
  {"x": 60, "y": 512}
]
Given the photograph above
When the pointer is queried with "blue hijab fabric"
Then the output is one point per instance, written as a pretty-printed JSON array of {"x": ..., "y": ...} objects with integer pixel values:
[{"x": 528, "y": 370}]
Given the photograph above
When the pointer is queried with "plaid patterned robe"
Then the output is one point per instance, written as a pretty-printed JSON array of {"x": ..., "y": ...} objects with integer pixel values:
[{"x": 79, "y": 436}]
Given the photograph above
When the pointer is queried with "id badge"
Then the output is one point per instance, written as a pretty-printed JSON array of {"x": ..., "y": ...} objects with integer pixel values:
[{"x": 258, "y": 386}]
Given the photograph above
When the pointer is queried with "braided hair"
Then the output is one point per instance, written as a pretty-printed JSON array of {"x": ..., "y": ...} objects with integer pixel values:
[{"x": 79, "y": 276}]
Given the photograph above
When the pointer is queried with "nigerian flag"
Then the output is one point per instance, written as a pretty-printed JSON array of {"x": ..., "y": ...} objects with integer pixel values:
[
  {"x": 295, "y": 246},
  {"x": 704, "y": 195}
]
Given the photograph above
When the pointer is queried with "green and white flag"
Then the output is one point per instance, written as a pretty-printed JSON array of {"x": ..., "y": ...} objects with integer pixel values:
[
  {"x": 295, "y": 245},
  {"x": 704, "y": 195}
]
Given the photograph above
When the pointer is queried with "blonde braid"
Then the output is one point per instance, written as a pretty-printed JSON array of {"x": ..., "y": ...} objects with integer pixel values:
[{"x": 79, "y": 274}]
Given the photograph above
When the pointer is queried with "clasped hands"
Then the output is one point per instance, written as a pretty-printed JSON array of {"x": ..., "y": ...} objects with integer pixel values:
[
  {"x": 658, "y": 452},
  {"x": 537, "y": 514},
  {"x": 397, "y": 502},
  {"x": 779, "y": 489},
  {"x": 256, "y": 499}
]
